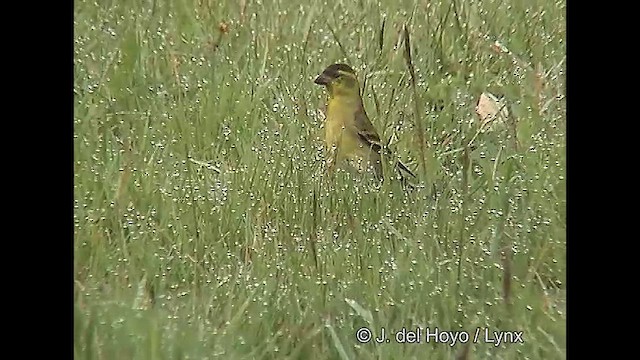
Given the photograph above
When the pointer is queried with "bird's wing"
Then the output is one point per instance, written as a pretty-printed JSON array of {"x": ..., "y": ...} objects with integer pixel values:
[
  {"x": 369, "y": 135},
  {"x": 366, "y": 132}
]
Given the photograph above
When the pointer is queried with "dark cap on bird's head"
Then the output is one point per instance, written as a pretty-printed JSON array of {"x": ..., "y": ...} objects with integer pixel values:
[{"x": 333, "y": 72}]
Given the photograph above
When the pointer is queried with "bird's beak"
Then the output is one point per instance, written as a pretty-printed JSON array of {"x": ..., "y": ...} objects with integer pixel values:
[{"x": 322, "y": 79}]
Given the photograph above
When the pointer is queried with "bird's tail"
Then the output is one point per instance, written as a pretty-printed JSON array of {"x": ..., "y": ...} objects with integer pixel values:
[{"x": 405, "y": 175}]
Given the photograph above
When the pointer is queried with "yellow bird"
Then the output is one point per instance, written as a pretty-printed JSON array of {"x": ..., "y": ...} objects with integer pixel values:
[{"x": 349, "y": 135}]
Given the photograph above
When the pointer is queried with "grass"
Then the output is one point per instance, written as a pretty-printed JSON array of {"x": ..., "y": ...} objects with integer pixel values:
[{"x": 205, "y": 226}]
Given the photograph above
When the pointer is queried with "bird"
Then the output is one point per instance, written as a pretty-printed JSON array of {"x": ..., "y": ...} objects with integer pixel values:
[{"x": 350, "y": 137}]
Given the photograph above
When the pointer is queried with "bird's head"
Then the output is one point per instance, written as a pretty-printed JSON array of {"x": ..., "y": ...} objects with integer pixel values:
[{"x": 340, "y": 79}]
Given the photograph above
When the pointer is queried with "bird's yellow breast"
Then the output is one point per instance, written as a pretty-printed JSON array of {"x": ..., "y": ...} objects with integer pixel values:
[
  {"x": 341, "y": 134},
  {"x": 339, "y": 128}
]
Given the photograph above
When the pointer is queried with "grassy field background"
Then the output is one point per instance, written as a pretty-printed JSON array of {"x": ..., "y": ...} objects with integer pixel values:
[{"x": 205, "y": 226}]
